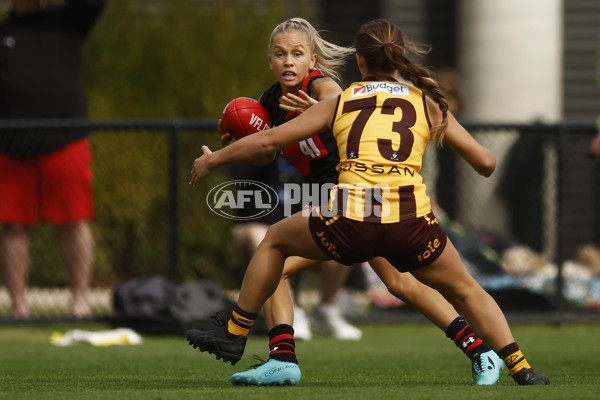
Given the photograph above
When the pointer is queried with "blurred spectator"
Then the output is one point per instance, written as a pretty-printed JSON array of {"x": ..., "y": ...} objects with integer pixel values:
[
  {"x": 530, "y": 270},
  {"x": 526, "y": 161},
  {"x": 45, "y": 175}
]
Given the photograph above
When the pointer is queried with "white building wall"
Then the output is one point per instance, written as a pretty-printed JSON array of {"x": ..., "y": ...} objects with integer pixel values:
[
  {"x": 510, "y": 56},
  {"x": 510, "y": 62}
]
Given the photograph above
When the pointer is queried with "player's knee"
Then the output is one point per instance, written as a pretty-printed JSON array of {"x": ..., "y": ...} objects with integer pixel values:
[
  {"x": 404, "y": 289},
  {"x": 460, "y": 297},
  {"x": 270, "y": 237},
  {"x": 275, "y": 243}
]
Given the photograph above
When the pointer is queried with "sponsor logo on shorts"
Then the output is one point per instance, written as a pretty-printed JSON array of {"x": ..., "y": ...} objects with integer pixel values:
[
  {"x": 329, "y": 247},
  {"x": 432, "y": 247},
  {"x": 386, "y": 87},
  {"x": 430, "y": 221}
]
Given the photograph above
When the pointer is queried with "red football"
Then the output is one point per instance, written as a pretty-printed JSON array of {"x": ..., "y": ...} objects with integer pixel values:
[{"x": 244, "y": 116}]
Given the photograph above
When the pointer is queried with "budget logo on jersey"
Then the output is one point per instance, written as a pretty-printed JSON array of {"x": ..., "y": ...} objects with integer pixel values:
[
  {"x": 229, "y": 198},
  {"x": 386, "y": 87}
]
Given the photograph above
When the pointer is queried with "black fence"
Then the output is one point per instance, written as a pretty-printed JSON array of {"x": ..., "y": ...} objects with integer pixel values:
[{"x": 530, "y": 234}]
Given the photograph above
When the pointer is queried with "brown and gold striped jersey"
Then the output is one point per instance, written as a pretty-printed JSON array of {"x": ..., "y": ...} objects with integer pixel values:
[{"x": 382, "y": 129}]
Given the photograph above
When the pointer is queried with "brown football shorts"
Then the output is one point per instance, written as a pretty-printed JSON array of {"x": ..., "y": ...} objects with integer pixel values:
[{"x": 407, "y": 245}]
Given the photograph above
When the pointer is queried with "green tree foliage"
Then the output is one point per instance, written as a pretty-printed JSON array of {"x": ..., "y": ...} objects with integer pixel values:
[{"x": 178, "y": 58}]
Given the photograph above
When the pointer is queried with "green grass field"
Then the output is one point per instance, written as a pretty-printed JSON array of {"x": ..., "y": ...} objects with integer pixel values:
[{"x": 393, "y": 361}]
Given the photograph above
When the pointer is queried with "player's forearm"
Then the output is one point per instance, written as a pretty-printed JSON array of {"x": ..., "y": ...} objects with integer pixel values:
[{"x": 253, "y": 149}]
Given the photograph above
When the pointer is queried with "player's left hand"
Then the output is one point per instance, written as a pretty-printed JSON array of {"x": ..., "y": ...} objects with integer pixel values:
[
  {"x": 297, "y": 104},
  {"x": 200, "y": 168},
  {"x": 225, "y": 137}
]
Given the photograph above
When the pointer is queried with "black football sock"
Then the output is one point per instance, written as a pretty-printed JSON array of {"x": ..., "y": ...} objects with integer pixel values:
[
  {"x": 465, "y": 339},
  {"x": 282, "y": 346}
]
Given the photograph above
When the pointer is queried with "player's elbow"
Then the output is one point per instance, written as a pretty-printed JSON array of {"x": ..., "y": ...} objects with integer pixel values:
[{"x": 486, "y": 164}]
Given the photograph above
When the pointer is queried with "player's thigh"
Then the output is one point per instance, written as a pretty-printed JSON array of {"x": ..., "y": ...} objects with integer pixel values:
[
  {"x": 397, "y": 282},
  {"x": 295, "y": 264},
  {"x": 292, "y": 237},
  {"x": 447, "y": 274}
]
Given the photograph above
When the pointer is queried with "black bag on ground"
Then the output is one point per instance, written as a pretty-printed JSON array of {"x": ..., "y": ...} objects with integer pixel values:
[
  {"x": 192, "y": 304},
  {"x": 154, "y": 305}
]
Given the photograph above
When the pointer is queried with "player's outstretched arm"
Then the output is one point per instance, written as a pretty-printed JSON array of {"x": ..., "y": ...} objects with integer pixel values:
[
  {"x": 201, "y": 167},
  {"x": 256, "y": 148},
  {"x": 460, "y": 140}
]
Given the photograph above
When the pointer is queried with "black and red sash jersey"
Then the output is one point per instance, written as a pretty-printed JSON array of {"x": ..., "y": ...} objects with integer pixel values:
[{"x": 315, "y": 158}]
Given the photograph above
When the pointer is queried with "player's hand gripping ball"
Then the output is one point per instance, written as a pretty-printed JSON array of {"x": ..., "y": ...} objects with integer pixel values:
[{"x": 244, "y": 116}]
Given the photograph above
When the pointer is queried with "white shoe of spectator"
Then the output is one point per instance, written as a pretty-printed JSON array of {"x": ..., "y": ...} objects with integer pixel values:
[
  {"x": 328, "y": 320},
  {"x": 301, "y": 325}
]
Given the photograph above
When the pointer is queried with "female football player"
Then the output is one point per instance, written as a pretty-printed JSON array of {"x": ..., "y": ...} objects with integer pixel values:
[{"x": 381, "y": 128}]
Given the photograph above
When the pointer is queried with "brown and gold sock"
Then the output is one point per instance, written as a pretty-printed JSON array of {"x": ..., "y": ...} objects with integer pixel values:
[
  {"x": 240, "y": 322},
  {"x": 513, "y": 358}
]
